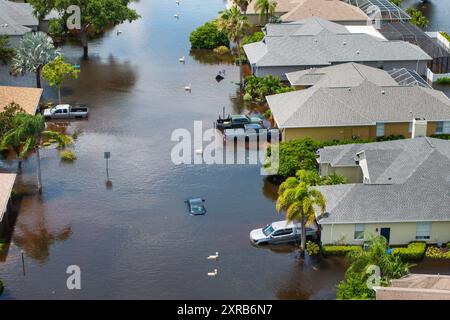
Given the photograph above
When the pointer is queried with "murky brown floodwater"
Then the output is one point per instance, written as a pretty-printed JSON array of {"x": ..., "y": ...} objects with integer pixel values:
[{"x": 135, "y": 240}]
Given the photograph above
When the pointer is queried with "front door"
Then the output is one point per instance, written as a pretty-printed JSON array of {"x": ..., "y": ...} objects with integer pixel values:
[{"x": 386, "y": 232}]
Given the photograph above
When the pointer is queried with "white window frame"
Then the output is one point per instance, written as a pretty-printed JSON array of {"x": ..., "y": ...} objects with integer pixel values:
[
  {"x": 359, "y": 231},
  {"x": 445, "y": 127},
  {"x": 380, "y": 129},
  {"x": 423, "y": 230}
]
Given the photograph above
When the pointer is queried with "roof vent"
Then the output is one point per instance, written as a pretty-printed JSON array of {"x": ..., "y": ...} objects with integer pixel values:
[
  {"x": 349, "y": 89},
  {"x": 345, "y": 43},
  {"x": 383, "y": 92},
  {"x": 357, "y": 52}
]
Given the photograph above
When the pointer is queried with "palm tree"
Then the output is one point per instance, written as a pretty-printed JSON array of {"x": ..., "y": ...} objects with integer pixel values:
[
  {"x": 266, "y": 8},
  {"x": 26, "y": 137},
  {"x": 34, "y": 51},
  {"x": 242, "y": 4},
  {"x": 298, "y": 199},
  {"x": 234, "y": 24}
]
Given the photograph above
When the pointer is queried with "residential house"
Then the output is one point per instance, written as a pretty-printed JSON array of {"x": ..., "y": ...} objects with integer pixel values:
[
  {"x": 402, "y": 192},
  {"x": 27, "y": 98},
  {"x": 6, "y": 185},
  {"x": 362, "y": 103},
  {"x": 16, "y": 19},
  {"x": 293, "y": 10},
  {"x": 315, "y": 42}
]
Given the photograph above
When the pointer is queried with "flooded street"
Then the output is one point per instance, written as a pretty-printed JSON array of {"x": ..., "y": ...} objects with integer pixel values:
[{"x": 135, "y": 240}]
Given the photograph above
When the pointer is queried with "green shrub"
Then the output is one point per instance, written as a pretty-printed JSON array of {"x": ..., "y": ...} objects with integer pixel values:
[
  {"x": 335, "y": 250},
  {"x": 1, "y": 287},
  {"x": 55, "y": 27},
  {"x": 391, "y": 137},
  {"x": 312, "y": 248},
  {"x": 445, "y": 35},
  {"x": 248, "y": 97},
  {"x": 413, "y": 252},
  {"x": 437, "y": 253},
  {"x": 255, "y": 37},
  {"x": 6, "y": 52},
  {"x": 417, "y": 18},
  {"x": 221, "y": 50},
  {"x": 208, "y": 37},
  {"x": 259, "y": 88},
  {"x": 68, "y": 155},
  {"x": 444, "y": 80},
  {"x": 441, "y": 136}
]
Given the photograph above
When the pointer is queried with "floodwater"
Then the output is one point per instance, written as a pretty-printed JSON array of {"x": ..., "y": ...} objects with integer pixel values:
[{"x": 134, "y": 239}]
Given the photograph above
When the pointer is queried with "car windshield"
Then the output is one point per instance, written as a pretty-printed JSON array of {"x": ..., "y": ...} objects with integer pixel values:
[
  {"x": 268, "y": 230},
  {"x": 196, "y": 208}
]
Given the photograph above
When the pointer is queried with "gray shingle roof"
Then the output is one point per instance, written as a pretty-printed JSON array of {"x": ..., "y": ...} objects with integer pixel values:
[
  {"x": 341, "y": 75},
  {"x": 365, "y": 104},
  {"x": 410, "y": 181},
  {"x": 15, "y": 18},
  {"x": 318, "y": 42}
]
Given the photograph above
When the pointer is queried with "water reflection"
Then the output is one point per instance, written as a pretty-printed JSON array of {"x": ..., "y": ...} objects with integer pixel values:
[{"x": 210, "y": 58}]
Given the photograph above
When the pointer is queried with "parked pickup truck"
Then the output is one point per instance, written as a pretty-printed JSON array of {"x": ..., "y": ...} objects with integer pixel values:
[
  {"x": 249, "y": 131},
  {"x": 65, "y": 111},
  {"x": 236, "y": 121}
]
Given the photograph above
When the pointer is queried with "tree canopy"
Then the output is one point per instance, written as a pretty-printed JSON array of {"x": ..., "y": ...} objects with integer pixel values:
[{"x": 56, "y": 71}]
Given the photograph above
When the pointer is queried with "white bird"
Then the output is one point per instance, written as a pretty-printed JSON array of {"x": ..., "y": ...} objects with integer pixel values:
[
  {"x": 177, "y": 2},
  {"x": 176, "y": 16},
  {"x": 119, "y": 32},
  {"x": 182, "y": 59},
  {"x": 188, "y": 88},
  {"x": 212, "y": 274},
  {"x": 213, "y": 257},
  {"x": 199, "y": 151}
]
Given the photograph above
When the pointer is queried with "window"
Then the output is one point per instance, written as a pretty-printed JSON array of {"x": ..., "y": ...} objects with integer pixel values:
[
  {"x": 359, "y": 231},
  {"x": 380, "y": 129},
  {"x": 443, "y": 127},
  {"x": 282, "y": 232},
  {"x": 423, "y": 230}
]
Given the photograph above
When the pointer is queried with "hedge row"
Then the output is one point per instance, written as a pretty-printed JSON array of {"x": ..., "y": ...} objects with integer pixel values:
[
  {"x": 437, "y": 253},
  {"x": 335, "y": 250},
  {"x": 413, "y": 252}
]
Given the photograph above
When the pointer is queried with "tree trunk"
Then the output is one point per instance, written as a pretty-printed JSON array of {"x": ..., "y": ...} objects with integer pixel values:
[
  {"x": 84, "y": 43},
  {"x": 303, "y": 235},
  {"x": 241, "y": 80},
  {"x": 59, "y": 94},
  {"x": 38, "y": 77},
  {"x": 38, "y": 170}
]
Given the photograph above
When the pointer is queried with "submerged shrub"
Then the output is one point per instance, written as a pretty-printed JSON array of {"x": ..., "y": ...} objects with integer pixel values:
[
  {"x": 333, "y": 250},
  {"x": 208, "y": 37},
  {"x": 445, "y": 80},
  {"x": 221, "y": 50},
  {"x": 312, "y": 248},
  {"x": 413, "y": 252},
  {"x": 68, "y": 155}
]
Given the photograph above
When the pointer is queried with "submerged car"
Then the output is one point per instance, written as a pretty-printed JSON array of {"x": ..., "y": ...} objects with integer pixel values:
[
  {"x": 196, "y": 206},
  {"x": 280, "y": 232},
  {"x": 237, "y": 121}
]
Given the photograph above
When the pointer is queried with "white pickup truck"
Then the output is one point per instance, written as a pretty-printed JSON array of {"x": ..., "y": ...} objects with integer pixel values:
[{"x": 65, "y": 111}]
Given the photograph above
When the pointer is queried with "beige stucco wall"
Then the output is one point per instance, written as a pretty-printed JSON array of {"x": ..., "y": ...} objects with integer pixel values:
[
  {"x": 326, "y": 134},
  {"x": 401, "y": 233},
  {"x": 340, "y": 133}
]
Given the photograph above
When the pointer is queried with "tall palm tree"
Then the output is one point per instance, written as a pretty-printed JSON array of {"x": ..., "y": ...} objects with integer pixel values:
[
  {"x": 234, "y": 24},
  {"x": 298, "y": 199},
  {"x": 34, "y": 51},
  {"x": 26, "y": 137},
  {"x": 266, "y": 8},
  {"x": 242, "y": 4}
]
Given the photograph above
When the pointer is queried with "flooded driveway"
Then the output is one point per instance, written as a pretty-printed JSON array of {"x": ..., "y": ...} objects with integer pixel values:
[{"x": 134, "y": 239}]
